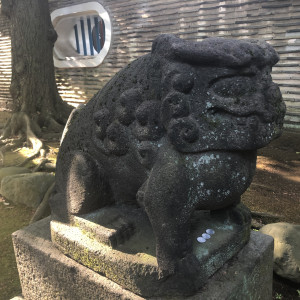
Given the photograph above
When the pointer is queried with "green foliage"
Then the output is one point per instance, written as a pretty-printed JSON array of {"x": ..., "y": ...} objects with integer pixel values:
[{"x": 278, "y": 296}]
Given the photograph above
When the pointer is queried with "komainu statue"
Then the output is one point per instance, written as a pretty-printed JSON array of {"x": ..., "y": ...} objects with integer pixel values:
[{"x": 172, "y": 134}]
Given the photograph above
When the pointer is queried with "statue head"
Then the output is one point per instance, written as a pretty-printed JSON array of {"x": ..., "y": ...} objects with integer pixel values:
[{"x": 218, "y": 94}]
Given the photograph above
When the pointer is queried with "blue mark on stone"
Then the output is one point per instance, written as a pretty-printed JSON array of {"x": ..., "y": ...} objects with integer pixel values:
[
  {"x": 206, "y": 236},
  {"x": 210, "y": 231},
  {"x": 200, "y": 239}
]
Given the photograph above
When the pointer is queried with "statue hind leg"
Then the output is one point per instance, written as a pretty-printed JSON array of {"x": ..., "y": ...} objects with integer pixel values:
[{"x": 80, "y": 186}]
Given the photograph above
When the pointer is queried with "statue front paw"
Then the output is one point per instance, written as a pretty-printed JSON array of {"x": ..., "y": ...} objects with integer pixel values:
[{"x": 182, "y": 275}]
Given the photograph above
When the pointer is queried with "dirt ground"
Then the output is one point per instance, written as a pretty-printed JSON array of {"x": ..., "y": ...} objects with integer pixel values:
[
  {"x": 273, "y": 196},
  {"x": 276, "y": 185}
]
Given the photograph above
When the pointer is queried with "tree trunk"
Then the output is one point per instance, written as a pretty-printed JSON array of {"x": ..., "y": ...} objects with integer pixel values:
[{"x": 33, "y": 86}]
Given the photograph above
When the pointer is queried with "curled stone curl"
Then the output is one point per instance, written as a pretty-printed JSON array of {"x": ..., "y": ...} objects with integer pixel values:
[
  {"x": 102, "y": 120},
  {"x": 117, "y": 141},
  {"x": 148, "y": 126},
  {"x": 174, "y": 106},
  {"x": 183, "y": 131},
  {"x": 126, "y": 106},
  {"x": 183, "y": 82}
]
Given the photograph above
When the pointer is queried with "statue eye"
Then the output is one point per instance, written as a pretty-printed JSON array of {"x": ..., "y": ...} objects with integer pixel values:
[{"x": 233, "y": 86}]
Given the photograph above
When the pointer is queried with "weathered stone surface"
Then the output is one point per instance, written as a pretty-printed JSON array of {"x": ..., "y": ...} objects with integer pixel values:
[
  {"x": 9, "y": 171},
  {"x": 130, "y": 259},
  {"x": 46, "y": 273},
  {"x": 27, "y": 189},
  {"x": 173, "y": 132},
  {"x": 286, "y": 249}
]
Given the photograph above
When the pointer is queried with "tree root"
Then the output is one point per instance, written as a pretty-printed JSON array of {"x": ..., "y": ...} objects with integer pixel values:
[
  {"x": 49, "y": 167},
  {"x": 10, "y": 144},
  {"x": 40, "y": 165},
  {"x": 21, "y": 125},
  {"x": 54, "y": 126}
]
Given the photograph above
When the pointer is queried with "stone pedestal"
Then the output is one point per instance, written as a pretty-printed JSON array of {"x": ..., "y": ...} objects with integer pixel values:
[
  {"x": 119, "y": 243},
  {"x": 46, "y": 273}
]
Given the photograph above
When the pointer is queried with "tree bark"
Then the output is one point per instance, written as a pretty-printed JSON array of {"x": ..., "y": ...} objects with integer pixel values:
[{"x": 33, "y": 86}]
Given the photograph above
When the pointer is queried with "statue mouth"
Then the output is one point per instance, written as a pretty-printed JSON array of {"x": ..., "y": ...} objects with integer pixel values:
[
  {"x": 232, "y": 127},
  {"x": 239, "y": 117}
]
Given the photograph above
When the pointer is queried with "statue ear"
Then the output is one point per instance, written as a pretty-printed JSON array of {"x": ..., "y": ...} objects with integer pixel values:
[
  {"x": 220, "y": 52},
  {"x": 210, "y": 50},
  {"x": 165, "y": 45}
]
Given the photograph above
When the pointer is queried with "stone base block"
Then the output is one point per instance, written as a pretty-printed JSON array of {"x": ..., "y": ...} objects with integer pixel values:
[
  {"x": 46, "y": 273},
  {"x": 119, "y": 243}
]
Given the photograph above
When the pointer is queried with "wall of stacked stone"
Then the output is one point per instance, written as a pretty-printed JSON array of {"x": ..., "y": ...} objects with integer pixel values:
[{"x": 137, "y": 22}]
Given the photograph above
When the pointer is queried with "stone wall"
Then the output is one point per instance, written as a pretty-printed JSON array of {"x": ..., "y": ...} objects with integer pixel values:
[{"x": 137, "y": 22}]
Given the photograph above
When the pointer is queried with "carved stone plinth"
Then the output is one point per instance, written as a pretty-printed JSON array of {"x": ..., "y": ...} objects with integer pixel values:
[
  {"x": 119, "y": 243},
  {"x": 46, "y": 273}
]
